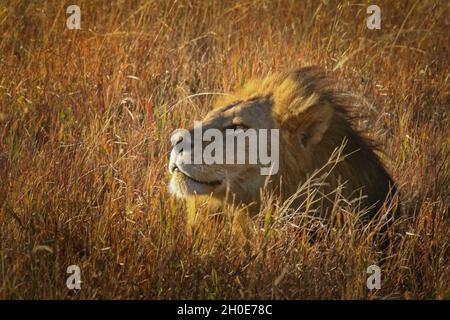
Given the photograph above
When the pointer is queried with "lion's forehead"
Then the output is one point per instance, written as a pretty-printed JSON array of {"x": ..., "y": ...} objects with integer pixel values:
[
  {"x": 215, "y": 118},
  {"x": 255, "y": 111}
]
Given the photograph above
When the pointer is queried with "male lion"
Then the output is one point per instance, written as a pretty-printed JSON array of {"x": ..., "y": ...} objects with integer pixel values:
[{"x": 313, "y": 123}]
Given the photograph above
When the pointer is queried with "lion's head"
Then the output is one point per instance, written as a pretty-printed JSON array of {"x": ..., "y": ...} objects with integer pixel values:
[{"x": 312, "y": 122}]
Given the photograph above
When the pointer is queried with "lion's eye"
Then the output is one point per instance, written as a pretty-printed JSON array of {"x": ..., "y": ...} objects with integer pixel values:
[{"x": 236, "y": 127}]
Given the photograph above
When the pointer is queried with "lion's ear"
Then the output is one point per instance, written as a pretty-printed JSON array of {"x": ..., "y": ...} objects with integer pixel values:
[
  {"x": 309, "y": 123},
  {"x": 313, "y": 123}
]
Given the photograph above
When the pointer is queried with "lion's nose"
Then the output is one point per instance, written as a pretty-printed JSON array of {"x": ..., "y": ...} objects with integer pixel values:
[{"x": 176, "y": 138}]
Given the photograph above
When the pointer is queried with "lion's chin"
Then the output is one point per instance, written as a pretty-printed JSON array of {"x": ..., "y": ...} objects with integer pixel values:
[{"x": 183, "y": 186}]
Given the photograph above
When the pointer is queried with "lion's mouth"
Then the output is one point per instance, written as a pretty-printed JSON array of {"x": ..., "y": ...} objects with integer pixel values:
[{"x": 212, "y": 183}]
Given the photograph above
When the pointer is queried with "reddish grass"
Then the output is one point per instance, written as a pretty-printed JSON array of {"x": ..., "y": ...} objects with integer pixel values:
[{"x": 84, "y": 140}]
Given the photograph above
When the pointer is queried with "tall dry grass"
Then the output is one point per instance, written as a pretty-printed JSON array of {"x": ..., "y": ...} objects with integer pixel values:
[{"x": 85, "y": 121}]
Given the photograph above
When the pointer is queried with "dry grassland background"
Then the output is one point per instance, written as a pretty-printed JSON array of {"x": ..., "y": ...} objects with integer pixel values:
[{"x": 85, "y": 121}]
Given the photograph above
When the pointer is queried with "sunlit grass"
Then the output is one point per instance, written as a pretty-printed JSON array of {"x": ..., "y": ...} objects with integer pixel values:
[{"x": 85, "y": 121}]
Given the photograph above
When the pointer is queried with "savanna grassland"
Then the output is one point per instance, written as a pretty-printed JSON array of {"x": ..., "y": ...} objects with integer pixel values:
[{"x": 85, "y": 121}]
